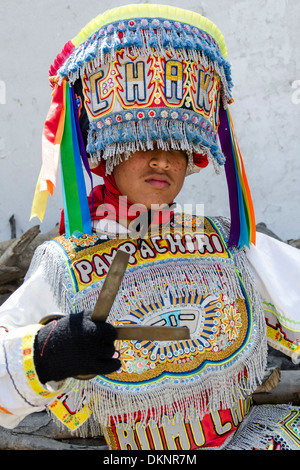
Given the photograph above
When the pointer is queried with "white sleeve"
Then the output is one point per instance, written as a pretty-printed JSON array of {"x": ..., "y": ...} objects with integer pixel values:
[
  {"x": 20, "y": 391},
  {"x": 276, "y": 268}
]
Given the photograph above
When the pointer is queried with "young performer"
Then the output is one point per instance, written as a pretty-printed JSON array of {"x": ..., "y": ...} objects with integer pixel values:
[{"x": 141, "y": 98}]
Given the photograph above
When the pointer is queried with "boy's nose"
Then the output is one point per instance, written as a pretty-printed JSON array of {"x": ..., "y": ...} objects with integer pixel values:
[{"x": 160, "y": 160}]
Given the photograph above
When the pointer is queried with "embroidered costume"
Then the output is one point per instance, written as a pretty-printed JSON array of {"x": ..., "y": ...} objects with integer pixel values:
[{"x": 135, "y": 77}]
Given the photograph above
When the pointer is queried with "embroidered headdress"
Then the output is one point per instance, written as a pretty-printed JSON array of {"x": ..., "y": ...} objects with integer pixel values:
[{"x": 136, "y": 76}]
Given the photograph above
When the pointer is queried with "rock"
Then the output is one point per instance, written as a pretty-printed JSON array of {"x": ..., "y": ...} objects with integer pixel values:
[
  {"x": 286, "y": 392},
  {"x": 261, "y": 227},
  {"x": 295, "y": 243},
  {"x": 15, "y": 258},
  {"x": 39, "y": 432}
]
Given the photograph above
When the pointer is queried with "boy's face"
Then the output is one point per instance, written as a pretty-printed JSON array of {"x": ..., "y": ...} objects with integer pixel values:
[{"x": 154, "y": 177}]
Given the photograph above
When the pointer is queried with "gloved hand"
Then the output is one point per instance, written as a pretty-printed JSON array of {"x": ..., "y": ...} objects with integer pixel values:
[{"x": 74, "y": 345}]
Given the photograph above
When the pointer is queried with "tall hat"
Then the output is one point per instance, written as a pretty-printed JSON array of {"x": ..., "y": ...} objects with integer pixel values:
[{"x": 136, "y": 76}]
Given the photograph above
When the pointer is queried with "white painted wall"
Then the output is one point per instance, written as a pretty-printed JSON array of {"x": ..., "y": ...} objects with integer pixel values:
[{"x": 262, "y": 38}]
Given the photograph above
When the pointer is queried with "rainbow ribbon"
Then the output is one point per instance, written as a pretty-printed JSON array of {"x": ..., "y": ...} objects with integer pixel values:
[
  {"x": 51, "y": 138},
  {"x": 243, "y": 228},
  {"x": 62, "y": 136}
]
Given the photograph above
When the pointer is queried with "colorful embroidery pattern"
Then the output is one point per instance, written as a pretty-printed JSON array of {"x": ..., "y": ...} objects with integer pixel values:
[
  {"x": 29, "y": 367},
  {"x": 289, "y": 433},
  {"x": 141, "y": 99},
  {"x": 232, "y": 322},
  {"x": 83, "y": 240},
  {"x": 144, "y": 79},
  {"x": 212, "y": 342},
  {"x": 220, "y": 323},
  {"x": 212, "y": 431},
  {"x": 70, "y": 415},
  {"x": 269, "y": 427},
  {"x": 174, "y": 277},
  {"x": 152, "y": 85},
  {"x": 282, "y": 337},
  {"x": 188, "y": 242}
]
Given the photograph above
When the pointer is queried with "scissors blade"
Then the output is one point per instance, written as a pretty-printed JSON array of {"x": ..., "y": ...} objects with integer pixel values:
[
  {"x": 153, "y": 333},
  {"x": 106, "y": 299},
  {"x": 110, "y": 286}
]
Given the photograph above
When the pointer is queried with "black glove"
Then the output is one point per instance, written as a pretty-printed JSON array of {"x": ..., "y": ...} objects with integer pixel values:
[{"x": 74, "y": 345}]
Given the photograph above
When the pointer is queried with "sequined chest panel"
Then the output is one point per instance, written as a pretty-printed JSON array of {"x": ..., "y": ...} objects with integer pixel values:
[{"x": 180, "y": 276}]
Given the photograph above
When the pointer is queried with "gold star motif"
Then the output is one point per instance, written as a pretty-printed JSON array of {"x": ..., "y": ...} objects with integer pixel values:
[
  {"x": 86, "y": 240},
  {"x": 232, "y": 322},
  {"x": 123, "y": 353}
]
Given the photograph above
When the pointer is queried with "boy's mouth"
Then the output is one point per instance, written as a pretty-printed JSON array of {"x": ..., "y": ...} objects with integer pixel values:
[{"x": 158, "y": 181}]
